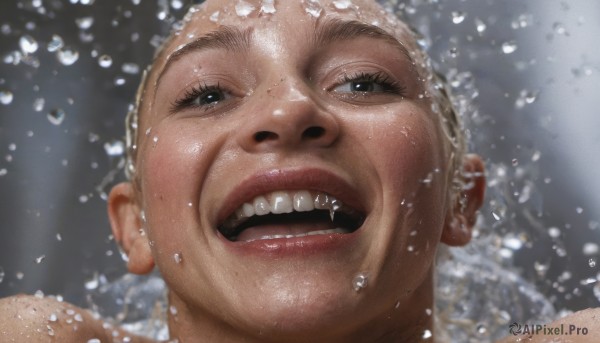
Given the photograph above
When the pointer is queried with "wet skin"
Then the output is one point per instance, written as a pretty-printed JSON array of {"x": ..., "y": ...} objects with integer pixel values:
[{"x": 287, "y": 101}]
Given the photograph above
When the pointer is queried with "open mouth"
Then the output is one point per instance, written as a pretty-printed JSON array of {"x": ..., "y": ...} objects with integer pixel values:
[{"x": 290, "y": 214}]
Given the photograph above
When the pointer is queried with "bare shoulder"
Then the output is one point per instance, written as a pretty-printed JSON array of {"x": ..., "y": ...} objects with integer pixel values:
[
  {"x": 25, "y": 318},
  {"x": 579, "y": 327}
]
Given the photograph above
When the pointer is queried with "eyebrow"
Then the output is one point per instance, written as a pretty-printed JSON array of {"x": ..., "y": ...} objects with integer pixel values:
[
  {"x": 327, "y": 32},
  {"x": 225, "y": 37},
  {"x": 335, "y": 30}
]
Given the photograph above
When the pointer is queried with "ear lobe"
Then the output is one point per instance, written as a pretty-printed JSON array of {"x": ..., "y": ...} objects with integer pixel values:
[
  {"x": 124, "y": 215},
  {"x": 463, "y": 214}
]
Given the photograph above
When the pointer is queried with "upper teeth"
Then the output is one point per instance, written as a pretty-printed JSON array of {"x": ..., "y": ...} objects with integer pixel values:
[{"x": 283, "y": 202}]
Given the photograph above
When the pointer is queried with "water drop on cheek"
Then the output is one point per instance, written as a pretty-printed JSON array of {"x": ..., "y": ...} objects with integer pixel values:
[
  {"x": 360, "y": 282},
  {"x": 178, "y": 258}
]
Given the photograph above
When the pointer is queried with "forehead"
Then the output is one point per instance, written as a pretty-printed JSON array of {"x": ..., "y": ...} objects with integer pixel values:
[{"x": 290, "y": 17}]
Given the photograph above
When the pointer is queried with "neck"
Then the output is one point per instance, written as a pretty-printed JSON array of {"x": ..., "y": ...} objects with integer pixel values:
[{"x": 406, "y": 321}]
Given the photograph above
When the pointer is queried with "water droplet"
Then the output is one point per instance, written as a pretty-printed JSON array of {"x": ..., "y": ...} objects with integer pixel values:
[
  {"x": 540, "y": 268},
  {"x": 496, "y": 216},
  {"x": 56, "y": 116},
  {"x": 3, "y": 171},
  {"x": 176, "y": 4},
  {"x": 40, "y": 259},
  {"x": 78, "y": 317},
  {"x": 579, "y": 210},
  {"x": 342, "y": 4},
  {"x": 480, "y": 25},
  {"x": 59, "y": 237},
  {"x": 509, "y": 47},
  {"x": 360, "y": 282},
  {"x": 592, "y": 262},
  {"x": 559, "y": 28},
  {"x": 267, "y": 6},
  {"x": 243, "y": 9},
  {"x": 83, "y": 198},
  {"x": 38, "y": 104},
  {"x": 119, "y": 81},
  {"x": 67, "y": 56},
  {"x": 28, "y": 44},
  {"x": 19, "y": 275},
  {"x": 85, "y": 22},
  {"x": 55, "y": 44},
  {"x": 39, "y": 294},
  {"x": 130, "y": 68},
  {"x": 173, "y": 310},
  {"x": 178, "y": 258},
  {"x": 6, "y": 97},
  {"x": 512, "y": 242},
  {"x": 105, "y": 61},
  {"x": 313, "y": 7},
  {"x": 114, "y": 148},
  {"x": 515, "y": 162},
  {"x": 458, "y": 17},
  {"x": 525, "y": 98},
  {"x": 427, "y": 334},
  {"x": 1, "y": 274},
  {"x": 481, "y": 329},
  {"x": 214, "y": 17},
  {"x": 590, "y": 249},
  {"x": 554, "y": 232},
  {"x": 53, "y": 317},
  {"x": 95, "y": 340}
]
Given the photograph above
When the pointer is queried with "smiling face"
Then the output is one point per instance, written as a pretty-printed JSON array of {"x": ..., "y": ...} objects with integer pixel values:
[{"x": 293, "y": 176}]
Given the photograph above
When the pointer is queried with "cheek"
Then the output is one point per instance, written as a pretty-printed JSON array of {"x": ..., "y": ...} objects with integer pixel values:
[{"x": 171, "y": 175}]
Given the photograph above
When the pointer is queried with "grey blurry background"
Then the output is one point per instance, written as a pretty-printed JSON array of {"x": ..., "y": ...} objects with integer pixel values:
[{"x": 527, "y": 72}]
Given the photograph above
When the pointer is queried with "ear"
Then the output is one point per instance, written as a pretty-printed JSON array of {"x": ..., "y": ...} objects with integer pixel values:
[
  {"x": 124, "y": 215},
  {"x": 462, "y": 215}
]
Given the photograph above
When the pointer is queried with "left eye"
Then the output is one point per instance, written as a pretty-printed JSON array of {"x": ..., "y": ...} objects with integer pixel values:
[{"x": 360, "y": 86}]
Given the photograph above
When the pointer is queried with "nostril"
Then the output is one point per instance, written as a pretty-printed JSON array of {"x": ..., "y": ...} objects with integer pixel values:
[
  {"x": 313, "y": 132},
  {"x": 262, "y": 136}
]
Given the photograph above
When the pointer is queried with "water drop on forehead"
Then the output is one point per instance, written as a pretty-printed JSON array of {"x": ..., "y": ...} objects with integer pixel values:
[
  {"x": 243, "y": 8},
  {"x": 28, "y": 44},
  {"x": 342, "y": 4},
  {"x": 313, "y": 7}
]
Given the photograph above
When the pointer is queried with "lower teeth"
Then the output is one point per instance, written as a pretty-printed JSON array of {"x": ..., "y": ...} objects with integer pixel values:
[{"x": 311, "y": 233}]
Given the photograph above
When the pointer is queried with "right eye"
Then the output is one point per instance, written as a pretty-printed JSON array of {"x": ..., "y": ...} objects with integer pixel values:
[{"x": 202, "y": 96}]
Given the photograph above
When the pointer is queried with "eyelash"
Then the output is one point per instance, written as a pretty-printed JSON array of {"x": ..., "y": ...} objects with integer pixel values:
[
  {"x": 192, "y": 95},
  {"x": 380, "y": 78}
]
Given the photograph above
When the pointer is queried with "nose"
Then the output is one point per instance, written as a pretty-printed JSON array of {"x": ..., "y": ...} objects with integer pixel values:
[{"x": 288, "y": 117}]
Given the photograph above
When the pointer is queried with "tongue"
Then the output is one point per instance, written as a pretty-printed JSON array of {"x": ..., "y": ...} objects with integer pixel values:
[{"x": 270, "y": 231}]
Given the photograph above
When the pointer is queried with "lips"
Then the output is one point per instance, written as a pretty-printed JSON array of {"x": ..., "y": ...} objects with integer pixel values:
[{"x": 290, "y": 204}]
